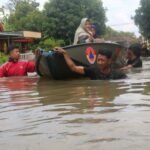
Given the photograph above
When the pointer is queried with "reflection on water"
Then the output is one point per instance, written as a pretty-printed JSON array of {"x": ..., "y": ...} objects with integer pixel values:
[{"x": 77, "y": 114}]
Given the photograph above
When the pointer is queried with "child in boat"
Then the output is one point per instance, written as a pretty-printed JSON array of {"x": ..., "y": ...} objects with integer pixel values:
[
  {"x": 83, "y": 33},
  {"x": 133, "y": 56},
  {"x": 95, "y": 36}
]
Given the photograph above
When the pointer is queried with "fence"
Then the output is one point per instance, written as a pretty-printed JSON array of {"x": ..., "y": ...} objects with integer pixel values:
[{"x": 27, "y": 56}]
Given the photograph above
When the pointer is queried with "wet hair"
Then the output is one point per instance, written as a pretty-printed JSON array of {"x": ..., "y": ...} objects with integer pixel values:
[
  {"x": 105, "y": 52},
  {"x": 11, "y": 47},
  {"x": 136, "y": 49}
]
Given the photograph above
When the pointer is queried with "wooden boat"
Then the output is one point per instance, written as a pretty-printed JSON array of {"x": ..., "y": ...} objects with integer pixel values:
[{"x": 53, "y": 65}]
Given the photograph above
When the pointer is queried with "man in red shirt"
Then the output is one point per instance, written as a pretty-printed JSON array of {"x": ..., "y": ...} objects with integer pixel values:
[{"x": 15, "y": 67}]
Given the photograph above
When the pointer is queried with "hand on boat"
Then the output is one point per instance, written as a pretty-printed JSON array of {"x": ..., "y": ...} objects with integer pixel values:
[
  {"x": 91, "y": 39},
  {"x": 126, "y": 67},
  {"x": 59, "y": 50}
]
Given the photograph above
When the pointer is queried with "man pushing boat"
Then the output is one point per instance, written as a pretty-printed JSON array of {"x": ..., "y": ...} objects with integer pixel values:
[{"x": 102, "y": 71}]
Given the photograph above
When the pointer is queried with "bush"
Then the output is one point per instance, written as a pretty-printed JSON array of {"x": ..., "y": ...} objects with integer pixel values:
[
  {"x": 3, "y": 58},
  {"x": 50, "y": 43}
]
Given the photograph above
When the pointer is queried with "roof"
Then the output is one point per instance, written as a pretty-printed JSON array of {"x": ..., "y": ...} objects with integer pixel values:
[
  {"x": 23, "y": 34},
  {"x": 10, "y": 34},
  {"x": 122, "y": 38}
]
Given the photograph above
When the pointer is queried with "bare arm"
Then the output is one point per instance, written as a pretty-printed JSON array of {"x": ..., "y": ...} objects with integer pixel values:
[
  {"x": 70, "y": 63},
  {"x": 126, "y": 67}
]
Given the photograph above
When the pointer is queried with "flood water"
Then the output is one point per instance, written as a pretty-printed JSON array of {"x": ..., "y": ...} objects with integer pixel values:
[{"x": 39, "y": 114}]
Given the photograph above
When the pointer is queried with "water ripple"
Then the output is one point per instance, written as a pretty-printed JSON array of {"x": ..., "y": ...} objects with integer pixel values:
[{"x": 76, "y": 114}]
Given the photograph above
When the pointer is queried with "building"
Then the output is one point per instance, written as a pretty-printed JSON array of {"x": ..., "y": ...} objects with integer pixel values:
[
  {"x": 22, "y": 38},
  {"x": 125, "y": 41}
]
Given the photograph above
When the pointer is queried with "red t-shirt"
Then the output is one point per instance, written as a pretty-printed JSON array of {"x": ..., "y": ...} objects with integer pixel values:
[{"x": 19, "y": 68}]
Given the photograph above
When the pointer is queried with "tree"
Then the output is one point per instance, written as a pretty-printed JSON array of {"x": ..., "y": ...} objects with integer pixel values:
[
  {"x": 142, "y": 18},
  {"x": 25, "y": 15},
  {"x": 11, "y": 4},
  {"x": 2, "y": 10},
  {"x": 64, "y": 16},
  {"x": 113, "y": 33},
  {"x": 1, "y": 19},
  {"x": 121, "y": 37}
]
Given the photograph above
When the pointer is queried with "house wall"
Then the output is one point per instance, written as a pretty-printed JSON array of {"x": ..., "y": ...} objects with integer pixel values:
[{"x": 3, "y": 45}]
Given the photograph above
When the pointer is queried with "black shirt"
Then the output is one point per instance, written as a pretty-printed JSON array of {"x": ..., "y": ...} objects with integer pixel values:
[
  {"x": 135, "y": 63},
  {"x": 95, "y": 74}
]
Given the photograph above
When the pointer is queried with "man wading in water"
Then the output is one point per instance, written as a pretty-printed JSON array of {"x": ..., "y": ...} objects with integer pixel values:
[
  {"x": 15, "y": 67},
  {"x": 133, "y": 56},
  {"x": 103, "y": 71}
]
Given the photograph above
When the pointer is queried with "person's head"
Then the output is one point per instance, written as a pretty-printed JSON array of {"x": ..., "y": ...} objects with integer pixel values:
[
  {"x": 13, "y": 52},
  {"x": 134, "y": 51},
  {"x": 85, "y": 24},
  {"x": 93, "y": 29},
  {"x": 104, "y": 58}
]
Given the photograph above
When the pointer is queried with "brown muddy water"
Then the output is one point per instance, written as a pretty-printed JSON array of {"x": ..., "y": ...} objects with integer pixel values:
[{"x": 39, "y": 114}]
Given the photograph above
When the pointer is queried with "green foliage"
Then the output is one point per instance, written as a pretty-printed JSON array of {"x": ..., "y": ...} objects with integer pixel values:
[
  {"x": 142, "y": 18},
  {"x": 113, "y": 33},
  {"x": 110, "y": 32},
  {"x": 3, "y": 58},
  {"x": 26, "y": 17},
  {"x": 59, "y": 19},
  {"x": 50, "y": 43},
  {"x": 7, "y": 26},
  {"x": 12, "y": 4},
  {"x": 63, "y": 17}
]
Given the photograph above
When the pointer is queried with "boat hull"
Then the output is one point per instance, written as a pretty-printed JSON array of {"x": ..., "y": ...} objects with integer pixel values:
[{"x": 53, "y": 65}]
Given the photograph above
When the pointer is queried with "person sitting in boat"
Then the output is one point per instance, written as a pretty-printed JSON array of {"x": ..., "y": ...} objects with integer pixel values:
[
  {"x": 15, "y": 67},
  {"x": 94, "y": 31},
  {"x": 133, "y": 56},
  {"x": 96, "y": 37},
  {"x": 103, "y": 71},
  {"x": 83, "y": 33}
]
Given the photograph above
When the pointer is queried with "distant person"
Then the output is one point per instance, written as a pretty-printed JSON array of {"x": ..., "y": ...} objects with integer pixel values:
[
  {"x": 83, "y": 33},
  {"x": 15, "y": 67},
  {"x": 133, "y": 56},
  {"x": 145, "y": 50},
  {"x": 103, "y": 71}
]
